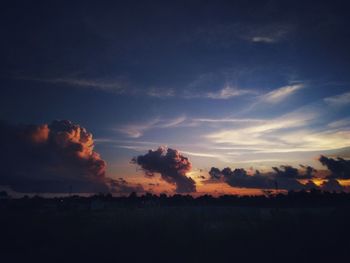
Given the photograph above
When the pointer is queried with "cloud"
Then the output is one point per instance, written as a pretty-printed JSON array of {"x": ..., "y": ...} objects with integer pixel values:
[
  {"x": 268, "y": 33},
  {"x": 240, "y": 178},
  {"x": 339, "y": 167},
  {"x": 342, "y": 123},
  {"x": 339, "y": 100},
  {"x": 291, "y": 132},
  {"x": 310, "y": 185},
  {"x": 123, "y": 86},
  {"x": 161, "y": 92},
  {"x": 287, "y": 171},
  {"x": 227, "y": 93},
  {"x": 285, "y": 178},
  {"x": 137, "y": 130},
  {"x": 171, "y": 165},
  {"x": 280, "y": 94},
  {"x": 225, "y": 35},
  {"x": 254, "y": 133},
  {"x": 309, "y": 171},
  {"x": 121, "y": 186},
  {"x": 229, "y": 120},
  {"x": 117, "y": 86},
  {"x": 332, "y": 185},
  {"x": 261, "y": 39},
  {"x": 209, "y": 155},
  {"x": 50, "y": 158}
]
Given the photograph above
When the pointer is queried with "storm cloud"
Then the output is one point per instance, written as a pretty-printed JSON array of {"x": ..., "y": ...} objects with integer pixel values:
[
  {"x": 56, "y": 157},
  {"x": 171, "y": 165}
]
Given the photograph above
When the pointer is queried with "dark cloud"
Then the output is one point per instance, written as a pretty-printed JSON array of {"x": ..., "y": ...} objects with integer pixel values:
[
  {"x": 121, "y": 186},
  {"x": 171, "y": 165},
  {"x": 286, "y": 171},
  {"x": 289, "y": 184},
  {"x": 240, "y": 178},
  {"x": 215, "y": 173},
  {"x": 332, "y": 185},
  {"x": 286, "y": 177},
  {"x": 339, "y": 167},
  {"x": 309, "y": 171},
  {"x": 310, "y": 185},
  {"x": 58, "y": 157}
]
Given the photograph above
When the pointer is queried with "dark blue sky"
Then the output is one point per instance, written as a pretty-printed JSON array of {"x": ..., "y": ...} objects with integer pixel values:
[{"x": 226, "y": 82}]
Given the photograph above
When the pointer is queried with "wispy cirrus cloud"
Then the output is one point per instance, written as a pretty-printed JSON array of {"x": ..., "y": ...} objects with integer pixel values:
[
  {"x": 253, "y": 134},
  {"x": 161, "y": 92},
  {"x": 226, "y": 35},
  {"x": 338, "y": 100},
  {"x": 123, "y": 86},
  {"x": 288, "y": 133},
  {"x": 227, "y": 120},
  {"x": 137, "y": 130},
  {"x": 269, "y": 33},
  {"x": 274, "y": 97},
  {"x": 340, "y": 123},
  {"x": 117, "y": 86},
  {"x": 227, "y": 93},
  {"x": 263, "y": 39},
  {"x": 209, "y": 155},
  {"x": 280, "y": 94}
]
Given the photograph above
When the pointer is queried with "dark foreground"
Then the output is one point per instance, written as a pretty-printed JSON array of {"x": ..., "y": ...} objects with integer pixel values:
[{"x": 86, "y": 230}]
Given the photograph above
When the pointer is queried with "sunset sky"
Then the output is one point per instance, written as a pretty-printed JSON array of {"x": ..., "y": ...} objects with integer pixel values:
[{"x": 239, "y": 84}]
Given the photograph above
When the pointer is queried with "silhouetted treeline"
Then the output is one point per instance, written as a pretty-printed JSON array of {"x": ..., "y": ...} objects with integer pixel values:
[
  {"x": 294, "y": 227},
  {"x": 313, "y": 198}
]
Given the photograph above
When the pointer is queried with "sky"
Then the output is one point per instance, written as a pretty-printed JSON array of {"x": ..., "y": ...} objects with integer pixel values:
[{"x": 239, "y": 84}]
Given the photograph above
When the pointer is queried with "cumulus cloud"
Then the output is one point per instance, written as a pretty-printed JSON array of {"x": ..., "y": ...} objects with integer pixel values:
[
  {"x": 286, "y": 178},
  {"x": 240, "y": 178},
  {"x": 309, "y": 171},
  {"x": 287, "y": 171},
  {"x": 339, "y": 167},
  {"x": 52, "y": 157},
  {"x": 171, "y": 165}
]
